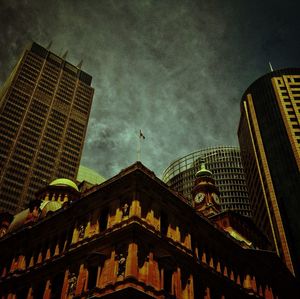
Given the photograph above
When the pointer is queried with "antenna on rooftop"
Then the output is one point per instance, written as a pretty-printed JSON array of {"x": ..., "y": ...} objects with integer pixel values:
[
  {"x": 79, "y": 65},
  {"x": 65, "y": 55},
  {"x": 49, "y": 46}
]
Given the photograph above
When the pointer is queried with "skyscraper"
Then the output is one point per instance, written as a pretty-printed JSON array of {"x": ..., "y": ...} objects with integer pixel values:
[
  {"x": 225, "y": 164},
  {"x": 44, "y": 110},
  {"x": 269, "y": 136}
]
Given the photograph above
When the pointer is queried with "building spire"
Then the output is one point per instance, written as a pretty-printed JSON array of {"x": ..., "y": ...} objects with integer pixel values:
[
  {"x": 206, "y": 193},
  {"x": 203, "y": 170}
]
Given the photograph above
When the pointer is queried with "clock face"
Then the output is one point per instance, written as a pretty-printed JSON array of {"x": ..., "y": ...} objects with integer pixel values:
[
  {"x": 216, "y": 198},
  {"x": 199, "y": 197}
]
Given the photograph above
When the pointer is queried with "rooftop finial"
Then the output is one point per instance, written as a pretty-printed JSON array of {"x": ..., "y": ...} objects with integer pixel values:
[{"x": 203, "y": 170}]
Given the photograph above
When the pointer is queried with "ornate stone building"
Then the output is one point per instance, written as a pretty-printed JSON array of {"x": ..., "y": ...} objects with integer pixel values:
[{"x": 129, "y": 237}]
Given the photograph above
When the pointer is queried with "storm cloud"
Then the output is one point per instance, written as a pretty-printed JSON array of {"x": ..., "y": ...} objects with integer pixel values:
[{"x": 175, "y": 69}]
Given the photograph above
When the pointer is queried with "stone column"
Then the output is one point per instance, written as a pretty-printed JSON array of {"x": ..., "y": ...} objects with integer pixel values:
[
  {"x": 268, "y": 293},
  {"x": 82, "y": 277},
  {"x": 98, "y": 276},
  {"x": 65, "y": 286},
  {"x": 4, "y": 272},
  {"x": 30, "y": 296},
  {"x": 188, "y": 242},
  {"x": 40, "y": 258},
  {"x": 48, "y": 254},
  {"x": 31, "y": 263},
  {"x": 108, "y": 273},
  {"x": 191, "y": 287},
  {"x": 87, "y": 231},
  {"x": 162, "y": 274},
  {"x": 119, "y": 215},
  {"x": 14, "y": 265},
  {"x": 75, "y": 235},
  {"x": 203, "y": 258},
  {"x": 21, "y": 262},
  {"x": 177, "y": 283},
  {"x": 56, "y": 250},
  {"x": 47, "y": 292},
  {"x": 132, "y": 261},
  {"x": 135, "y": 207},
  {"x": 153, "y": 272},
  {"x": 177, "y": 235},
  {"x": 207, "y": 293}
]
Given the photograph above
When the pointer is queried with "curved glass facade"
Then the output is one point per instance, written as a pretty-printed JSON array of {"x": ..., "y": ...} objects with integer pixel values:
[
  {"x": 225, "y": 164},
  {"x": 269, "y": 137}
]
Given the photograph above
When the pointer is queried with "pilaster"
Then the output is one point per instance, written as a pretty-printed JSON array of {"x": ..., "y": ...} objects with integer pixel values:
[
  {"x": 135, "y": 208},
  {"x": 82, "y": 276},
  {"x": 132, "y": 261},
  {"x": 47, "y": 292}
]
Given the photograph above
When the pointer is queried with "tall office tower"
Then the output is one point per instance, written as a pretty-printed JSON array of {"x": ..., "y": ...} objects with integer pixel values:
[
  {"x": 44, "y": 110},
  {"x": 225, "y": 164},
  {"x": 269, "y": 136}
]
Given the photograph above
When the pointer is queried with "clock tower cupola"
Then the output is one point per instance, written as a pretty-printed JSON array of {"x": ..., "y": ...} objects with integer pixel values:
[{"x": 205, "y": 193}]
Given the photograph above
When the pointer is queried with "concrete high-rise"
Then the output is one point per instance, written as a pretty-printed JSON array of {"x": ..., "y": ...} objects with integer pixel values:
[
  {"x": 44, "y": 110},
  {"x": 269, "y": 136},
  {"x": 225, "y": 164}
]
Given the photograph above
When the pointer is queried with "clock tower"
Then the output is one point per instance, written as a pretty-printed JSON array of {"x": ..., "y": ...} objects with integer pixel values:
[{"x": 205, "y": 193}]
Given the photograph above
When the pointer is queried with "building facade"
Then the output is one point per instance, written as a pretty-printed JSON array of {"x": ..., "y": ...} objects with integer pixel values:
[
  {"x": 269, "y": 137},
  {"x": 225, "y": 164},
  {"x": 130, "y": 237},
  {"x": 44, "y": 111}
]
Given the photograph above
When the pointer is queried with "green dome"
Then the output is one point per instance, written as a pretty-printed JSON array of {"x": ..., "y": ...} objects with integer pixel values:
[
  {"x": 89, "y": 175},
  {"x": 49, "y": 206},
  {"x": 64, "y": 182},
  {"x": 203, "y": 171}
]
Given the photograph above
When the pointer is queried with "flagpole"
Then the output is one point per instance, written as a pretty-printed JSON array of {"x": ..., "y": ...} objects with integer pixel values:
[
  {"x": 271, "y": 67},
  {"x": 138, "y": 151},
  {"x": 141, "y": 136}
]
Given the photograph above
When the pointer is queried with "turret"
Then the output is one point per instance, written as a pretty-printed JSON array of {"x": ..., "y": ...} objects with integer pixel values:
[
  {"x": 58, "y": 193},
  {"x": 205, "y": 193}
]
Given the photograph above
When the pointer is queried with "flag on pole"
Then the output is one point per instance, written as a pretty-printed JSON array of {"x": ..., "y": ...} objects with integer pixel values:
[{"x": 142, "y": 135}]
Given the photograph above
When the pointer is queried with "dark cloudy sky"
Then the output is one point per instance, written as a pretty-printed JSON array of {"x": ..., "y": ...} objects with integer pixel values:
[{"x": 175, "y": 69}]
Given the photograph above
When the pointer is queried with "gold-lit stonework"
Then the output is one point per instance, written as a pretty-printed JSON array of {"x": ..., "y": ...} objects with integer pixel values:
[{"x": 132, "y": 237}]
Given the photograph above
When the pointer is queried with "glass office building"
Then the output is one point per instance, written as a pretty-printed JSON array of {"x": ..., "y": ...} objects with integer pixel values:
[
  {"x": 225, "y": 164},
  {"x": 269, "y": 136}
]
